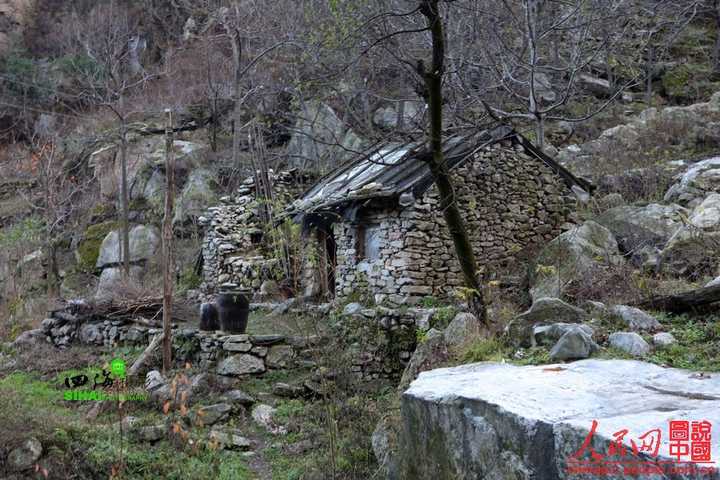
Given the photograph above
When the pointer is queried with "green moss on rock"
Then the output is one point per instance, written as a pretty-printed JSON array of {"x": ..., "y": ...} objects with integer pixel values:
[{"x": 89, "y": 247}]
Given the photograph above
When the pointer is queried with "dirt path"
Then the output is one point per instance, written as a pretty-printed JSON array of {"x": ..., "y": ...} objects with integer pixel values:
[{"x": 257, "y": 462}]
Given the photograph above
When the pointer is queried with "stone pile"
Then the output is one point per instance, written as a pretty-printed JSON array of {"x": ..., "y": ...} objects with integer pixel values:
[{"x": 569, "y": 331}]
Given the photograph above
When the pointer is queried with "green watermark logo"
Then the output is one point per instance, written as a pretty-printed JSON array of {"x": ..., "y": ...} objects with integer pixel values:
[{"x": 106, "y": 385}]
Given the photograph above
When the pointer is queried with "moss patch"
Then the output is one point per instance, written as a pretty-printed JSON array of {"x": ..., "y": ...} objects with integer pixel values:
[{"x": 89, "y": 247}]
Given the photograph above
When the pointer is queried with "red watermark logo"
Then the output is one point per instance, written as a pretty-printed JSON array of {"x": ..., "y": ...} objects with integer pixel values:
[{"x": 689, "y": 449}]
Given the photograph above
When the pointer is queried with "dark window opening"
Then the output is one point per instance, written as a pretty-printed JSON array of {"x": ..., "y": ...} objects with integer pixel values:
[
  {"x": 256, "y": 238},
  {"x": 367, "y": 242}
]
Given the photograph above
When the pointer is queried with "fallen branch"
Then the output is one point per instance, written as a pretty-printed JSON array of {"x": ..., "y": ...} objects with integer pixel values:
[
  {"x": 684, "y": 302},
  {"x": 144, "y": 356}
]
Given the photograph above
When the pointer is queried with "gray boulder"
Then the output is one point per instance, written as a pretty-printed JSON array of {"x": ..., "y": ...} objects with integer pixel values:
[
  {"x": 320, "y": 140},
  {"x": 548, "y": 335},
  {"x": 571, "y": 258},
  {"x": 545, "y": 310},
  {"x": 573, "y": 345},
  {"x": 637, "y": 228},
  {"x": 636, "y": 319},
  {"x": 111, "y": 281},
  {"x": 384, "y": 444},
  {"x": 199, "y": 192},
  {"x": 279, "y": 356},
  {"x": 463, "y": 328},
  {"x": 707, "y": 214},
  {"x": 211, "y": 414},
  {"x": 151, "y": 433},
  {"x": 428, "y": 354},
  {"x": 689, "y": 251},
  {"x": 663, "y": 339},
  {"x": 30, "y": 338},
  {"x": 714, "y": 282},
  {"x": 629, "y": 342},
  {"x": 353, "y": 308},
  {"x": 91, "y": 333},
  {"x": 693, "y": 185},
  {"x": 154, "y": 190},
  {"x": 387, "y": 117},
  {"x": 241, "y": 364},
  {"x": 596, "y": 86},
  {"x": 501, "y": 422},
  {"x": 25, "y": 456},
  {"x": 144, "y": 246}
]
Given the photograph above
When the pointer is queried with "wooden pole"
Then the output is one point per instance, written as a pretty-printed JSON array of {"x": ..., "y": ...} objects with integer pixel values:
[{"x": 167, "y": 241}]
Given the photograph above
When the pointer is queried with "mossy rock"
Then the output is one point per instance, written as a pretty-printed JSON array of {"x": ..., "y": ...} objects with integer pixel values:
[
  {"x": 681, "y": 83},
  {"x": 89, "y": 247}
]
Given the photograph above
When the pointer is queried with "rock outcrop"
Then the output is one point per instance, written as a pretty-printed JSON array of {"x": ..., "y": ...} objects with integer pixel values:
[
  {"x": 502, "y": 422},
  {"x": 694, "y": 184},
  {"x": 144, "y": 245},
  {"x": 642, "y": 231},
  {"x": 572, "y": 257}
]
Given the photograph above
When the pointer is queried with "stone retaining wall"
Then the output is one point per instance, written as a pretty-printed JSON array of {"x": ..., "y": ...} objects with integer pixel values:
[
  {"x": 380, "y": 341},
  {"x": 510, "y": 202},
  {"x": 229, "y": 354}
]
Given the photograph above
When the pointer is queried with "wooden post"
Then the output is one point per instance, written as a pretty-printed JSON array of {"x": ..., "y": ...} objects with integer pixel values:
[
  {"x": 167, "y": 241},
  {"x": 124, "y": 202}
]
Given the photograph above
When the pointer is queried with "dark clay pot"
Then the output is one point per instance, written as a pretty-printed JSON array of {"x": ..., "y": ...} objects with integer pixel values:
[
  {"x": 233, "y": 309},
  {"x": 209, "y": 317}
]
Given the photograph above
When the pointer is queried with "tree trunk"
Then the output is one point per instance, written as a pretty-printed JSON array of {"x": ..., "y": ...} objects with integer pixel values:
[
  {"x": 716, "y": 50},
  {"x": 53, "y": 272},
  {"x": 684, "y": 302},
  {"x": 167, "y": 247},
  {"x": 436, "y": 161},
  {"x": 649, "y": 67},
  {"x": 236, "y": 55},
  {"x": 125, "y": 222},
  {"x": 540, "y": 131}
]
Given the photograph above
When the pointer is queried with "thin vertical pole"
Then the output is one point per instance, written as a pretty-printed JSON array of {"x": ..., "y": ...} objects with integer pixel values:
[{"x": 167, "y": 241}]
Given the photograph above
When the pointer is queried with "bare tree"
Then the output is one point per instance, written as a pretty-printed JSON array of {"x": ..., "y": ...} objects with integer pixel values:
[
  {"x": 59, "y": 198},
  {"x": 109, "y": 72}
]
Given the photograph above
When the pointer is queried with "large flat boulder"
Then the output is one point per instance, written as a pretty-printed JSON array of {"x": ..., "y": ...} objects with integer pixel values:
[{"x": 499, "y": 421}]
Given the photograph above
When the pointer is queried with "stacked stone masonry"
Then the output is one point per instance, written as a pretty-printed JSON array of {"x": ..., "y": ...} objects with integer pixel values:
[
  {"x": 372, "y": 355},
  {"x": 509, "y": 200},
  {"x": 237, "y": 247}
]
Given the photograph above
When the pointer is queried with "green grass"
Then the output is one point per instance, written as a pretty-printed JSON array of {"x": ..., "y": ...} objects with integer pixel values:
[
  {"x": 698, "y": 343},
  {"x": 163, "y": 460}
]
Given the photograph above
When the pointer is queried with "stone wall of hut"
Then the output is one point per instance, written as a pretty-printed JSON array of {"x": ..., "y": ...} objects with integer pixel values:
[
  {"x": 238, "y": 244},
  {"x": 510, "y": 201}
]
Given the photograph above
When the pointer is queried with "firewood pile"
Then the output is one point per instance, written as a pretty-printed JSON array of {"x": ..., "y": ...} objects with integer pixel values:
[{"x": 145, "y": 310}]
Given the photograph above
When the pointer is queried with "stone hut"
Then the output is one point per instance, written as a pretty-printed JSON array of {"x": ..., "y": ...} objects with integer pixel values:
[{"x": 376, "y": 224}]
